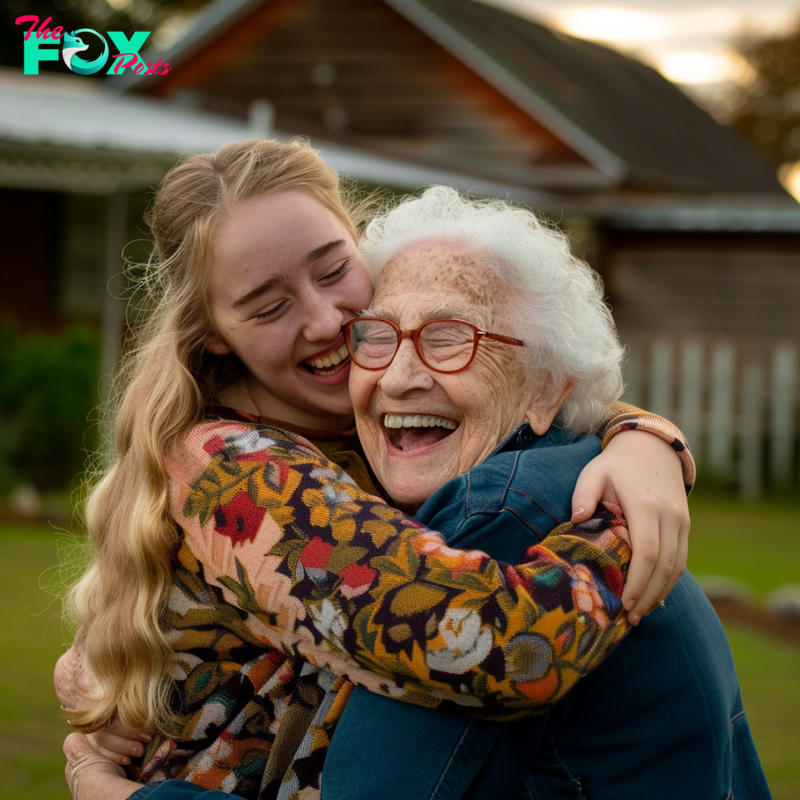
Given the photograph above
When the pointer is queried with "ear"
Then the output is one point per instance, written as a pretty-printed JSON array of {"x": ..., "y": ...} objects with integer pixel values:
[
  {"x": 545, "y": 404},
  {"x": 216, "y": 346}
]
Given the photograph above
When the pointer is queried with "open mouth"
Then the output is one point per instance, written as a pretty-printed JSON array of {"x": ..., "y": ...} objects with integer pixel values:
[
  {"x": 415, "y": 431},
  {"x": 329, "y": 364}
]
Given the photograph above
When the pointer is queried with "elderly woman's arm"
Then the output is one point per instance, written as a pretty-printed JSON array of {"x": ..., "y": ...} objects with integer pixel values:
[
  {"x": 650, "y": 478},
  {"x": 91, "y": 776}
]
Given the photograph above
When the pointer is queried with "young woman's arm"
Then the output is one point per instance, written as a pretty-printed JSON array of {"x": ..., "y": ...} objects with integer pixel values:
[
  {"x": 663, "y": 430},
  {"x": 327, "y": 572}
]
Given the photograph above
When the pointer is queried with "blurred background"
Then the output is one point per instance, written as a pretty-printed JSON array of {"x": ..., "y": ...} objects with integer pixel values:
[{"x": 664, "y": 137}]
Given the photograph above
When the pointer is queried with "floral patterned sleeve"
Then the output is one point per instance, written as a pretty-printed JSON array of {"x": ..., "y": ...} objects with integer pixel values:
[
  {"x": 319, "y": 568},
  {"x": 625, "y": 417}
]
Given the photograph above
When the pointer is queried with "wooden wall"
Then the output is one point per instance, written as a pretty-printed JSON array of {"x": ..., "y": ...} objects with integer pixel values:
[
  {"x": 356, "y": 71},
  {"x": 741, "y": 287}
]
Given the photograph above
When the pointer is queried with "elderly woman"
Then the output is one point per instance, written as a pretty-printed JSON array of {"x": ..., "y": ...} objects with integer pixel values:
[{"x": 437, "y": 392}]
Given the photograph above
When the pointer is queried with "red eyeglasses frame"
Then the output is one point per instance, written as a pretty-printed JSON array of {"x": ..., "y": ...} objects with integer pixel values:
[{"x": 478, "y": 336}]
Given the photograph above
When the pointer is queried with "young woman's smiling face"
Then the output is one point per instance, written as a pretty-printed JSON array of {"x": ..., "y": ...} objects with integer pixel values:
[{"x": 285, "y": 274}]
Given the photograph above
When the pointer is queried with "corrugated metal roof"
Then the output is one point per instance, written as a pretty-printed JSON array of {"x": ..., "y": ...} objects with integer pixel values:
[
  {"x": 67, "y": 133},
  {"x": 71, "y": 134},
  {"x": 65, "y": 113}
]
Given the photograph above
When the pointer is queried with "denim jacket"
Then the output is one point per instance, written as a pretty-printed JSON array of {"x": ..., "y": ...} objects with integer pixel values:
[{"x": 661, "y": 718}]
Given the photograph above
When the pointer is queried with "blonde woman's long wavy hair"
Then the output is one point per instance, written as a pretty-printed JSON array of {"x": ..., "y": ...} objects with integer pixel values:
[{"x": 165, "y": 380}]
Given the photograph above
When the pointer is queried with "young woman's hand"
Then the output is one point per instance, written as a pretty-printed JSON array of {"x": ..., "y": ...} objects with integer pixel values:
[
  {"x": 90, "y": 776},
  {"x": 118, "y": 743},
  {"x": 643, "y": 475}
]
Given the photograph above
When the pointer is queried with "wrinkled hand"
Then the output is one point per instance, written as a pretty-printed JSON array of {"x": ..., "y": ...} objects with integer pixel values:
[
  {"x": 116, "y": 742},
  {"x": 642, "y": 474},
  {"x": 70, "y": 678},
  {"x": 90, "y": 776}
]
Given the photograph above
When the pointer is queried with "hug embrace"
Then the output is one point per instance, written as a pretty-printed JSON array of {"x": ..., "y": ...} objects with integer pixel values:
[{"x": 376, "y": 525}]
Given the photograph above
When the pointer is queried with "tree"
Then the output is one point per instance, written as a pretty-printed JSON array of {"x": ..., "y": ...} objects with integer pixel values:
[{"x": 766, "y": 109}]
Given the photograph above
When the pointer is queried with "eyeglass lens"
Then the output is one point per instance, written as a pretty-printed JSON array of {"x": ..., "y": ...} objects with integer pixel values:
[{"x": 447, "y": 345}]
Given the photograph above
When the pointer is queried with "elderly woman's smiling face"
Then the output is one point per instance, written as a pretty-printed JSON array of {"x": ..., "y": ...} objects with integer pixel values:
[{"x": 450, "y": 422}]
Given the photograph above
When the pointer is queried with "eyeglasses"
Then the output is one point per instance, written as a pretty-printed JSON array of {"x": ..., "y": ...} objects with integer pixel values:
[{"x": 443, "y": 345}]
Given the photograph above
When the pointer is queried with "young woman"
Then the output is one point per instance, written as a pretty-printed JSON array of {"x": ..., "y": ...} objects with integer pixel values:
[{"x": 232, "y": 416}]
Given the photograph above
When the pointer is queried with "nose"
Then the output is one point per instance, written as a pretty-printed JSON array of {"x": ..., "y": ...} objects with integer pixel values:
[
  {"x": 322, "y": 319},
  {"x": 405, "y": 373}
]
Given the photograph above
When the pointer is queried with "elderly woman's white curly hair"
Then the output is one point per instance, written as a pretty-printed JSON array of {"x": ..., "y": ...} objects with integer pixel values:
[{"x": 560, "y": 313}]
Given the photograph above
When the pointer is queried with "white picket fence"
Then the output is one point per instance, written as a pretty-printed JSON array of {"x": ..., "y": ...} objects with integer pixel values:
[{"x": 739, "y": 411}]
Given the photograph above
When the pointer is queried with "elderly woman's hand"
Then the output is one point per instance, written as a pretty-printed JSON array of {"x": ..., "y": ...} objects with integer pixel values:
[
  {"x": 69, "y": 677},
  {"x": 116, "y": 742},
  {"x": 643, "y": 475},
  {"x": 91, "y": 776}
]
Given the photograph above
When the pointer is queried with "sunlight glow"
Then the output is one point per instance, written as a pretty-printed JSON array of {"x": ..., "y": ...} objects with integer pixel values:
[
  {"x": 694, "y": 68},
  {"x": 688, "y": 45},
  {"x": 170, "y": 29},
  {"x": 618, "y": 25},
  {"x": 790, "y": 178}
]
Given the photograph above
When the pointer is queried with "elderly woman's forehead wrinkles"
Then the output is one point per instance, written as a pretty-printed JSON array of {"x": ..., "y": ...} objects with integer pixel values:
[
  {"x": 472, "y": 279},
  {"x": 478, "y": 285},
  {"x": 444, "y": 269}
]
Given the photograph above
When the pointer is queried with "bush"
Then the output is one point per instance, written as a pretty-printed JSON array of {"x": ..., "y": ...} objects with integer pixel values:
[{"x": 47, "y": 392}]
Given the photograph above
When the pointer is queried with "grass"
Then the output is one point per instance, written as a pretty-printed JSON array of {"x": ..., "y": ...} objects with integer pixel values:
[
  {"x": 759, "y": 545},
  {"x": 756, "y": 544},
  {"x": 31, "y": 763},
  {"x": 769, "y": 674}
]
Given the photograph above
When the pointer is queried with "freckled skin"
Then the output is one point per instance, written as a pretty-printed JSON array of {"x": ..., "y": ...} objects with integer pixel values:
[
  {"x": 460, "y": 273},
  {"x": 489, "y": 400},
  {"x": 298, "y": 318}
]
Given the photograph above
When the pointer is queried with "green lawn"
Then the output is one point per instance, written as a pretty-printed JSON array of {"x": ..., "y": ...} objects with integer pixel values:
[
  {"x": 31, "y": 763},
  {"x": 769, "y": 673},
  {"x": 759, "y": 545}
]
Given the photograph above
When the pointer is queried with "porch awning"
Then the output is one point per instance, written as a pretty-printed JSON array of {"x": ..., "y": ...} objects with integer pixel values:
[{"x": 72, "y": 134}]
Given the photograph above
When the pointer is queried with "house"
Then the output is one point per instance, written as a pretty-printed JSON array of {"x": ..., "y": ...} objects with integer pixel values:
[
  {"x": 692, "y": 233},
  {"x": 694, "y": 236}
]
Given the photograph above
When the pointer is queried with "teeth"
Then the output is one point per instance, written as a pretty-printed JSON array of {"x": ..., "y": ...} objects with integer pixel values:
[
  {"x": 330, "y": 360},
  {"x": 418, "y": 421}
]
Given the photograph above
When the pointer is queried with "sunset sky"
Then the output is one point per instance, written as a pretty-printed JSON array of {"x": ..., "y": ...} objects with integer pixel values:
[{"x": 687, "y": 40}]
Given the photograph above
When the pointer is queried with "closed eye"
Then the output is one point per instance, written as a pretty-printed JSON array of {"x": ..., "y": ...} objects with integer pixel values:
[
  {"x": 337, "y": 272},
  {"x": 272, "y": 311},
  {"x": 331, "y": 276}
]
